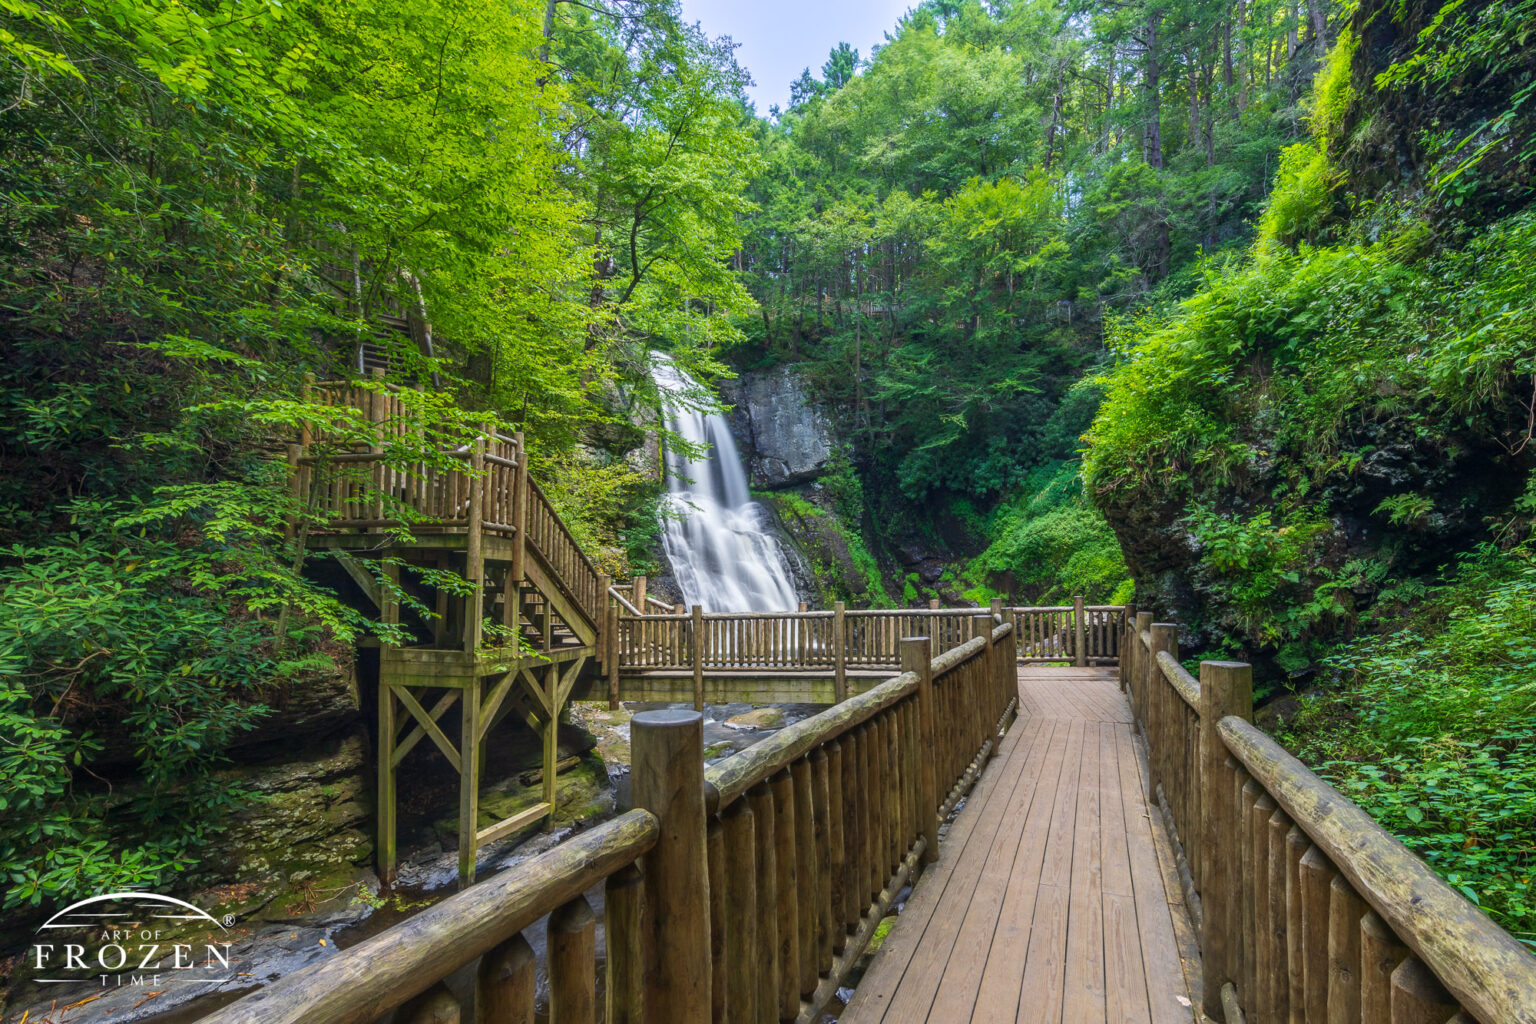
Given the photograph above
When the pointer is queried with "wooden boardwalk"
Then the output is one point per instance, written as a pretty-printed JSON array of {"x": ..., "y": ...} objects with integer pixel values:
[{"x": 1055, "y": 897}]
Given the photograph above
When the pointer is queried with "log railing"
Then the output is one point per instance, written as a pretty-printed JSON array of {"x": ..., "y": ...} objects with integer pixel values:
[
  {"x": 744, "y": 892},
  {"x": 1308, "y": 910},
  {"x": 839, "y": 640},
  {"x": 408, "y": 966},
  {"x": 552, "y": 541},
  {"x": 481, "y": 488},
  {"x": 377, "y": 484},
  {"x": 1076, "y": 633},
  {"x": 814, "y": 831}
]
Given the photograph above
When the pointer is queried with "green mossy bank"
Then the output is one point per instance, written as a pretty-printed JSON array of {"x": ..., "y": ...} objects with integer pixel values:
[{"x": 1323, "y": 461}]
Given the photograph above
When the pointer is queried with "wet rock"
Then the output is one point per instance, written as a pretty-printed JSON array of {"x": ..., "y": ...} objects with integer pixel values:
[
  {"x": 784, "y": 437},
  {"x": 759, "y": 718},
  {"x": 307, "y": 829}
]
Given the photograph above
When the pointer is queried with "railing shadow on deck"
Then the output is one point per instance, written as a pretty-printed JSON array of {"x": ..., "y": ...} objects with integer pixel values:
[
  {"x": 1307, "y": 909},
  {"x": 745, "y": 891}
]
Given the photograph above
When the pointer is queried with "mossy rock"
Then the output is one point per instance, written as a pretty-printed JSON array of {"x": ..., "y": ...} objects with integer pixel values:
[{"x": 582, "y": 792}]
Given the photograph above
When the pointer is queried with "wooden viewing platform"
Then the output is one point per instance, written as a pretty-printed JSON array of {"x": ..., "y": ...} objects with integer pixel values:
[
  {"x": 1133, "y": 849},
  {"x": 1055, "y": 895},
  {"x": 1217, "y": 879}
]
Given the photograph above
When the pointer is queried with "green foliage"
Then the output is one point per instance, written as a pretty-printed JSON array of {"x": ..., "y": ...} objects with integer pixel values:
[
  {"x": 126, "y": 648},
  {"x": 941, "y": 236},
  {"x": 1303, "y": 196},
  {"x": 1432, "y": 729},
  {"x": 1050, "y": 544},
  {"x": 201, "y": 205}
]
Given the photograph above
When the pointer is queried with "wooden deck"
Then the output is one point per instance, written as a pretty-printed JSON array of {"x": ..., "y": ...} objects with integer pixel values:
[{"x": 1055, "y": 897}]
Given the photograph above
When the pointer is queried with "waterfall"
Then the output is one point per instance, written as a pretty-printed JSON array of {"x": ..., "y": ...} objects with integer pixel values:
[{"x": 716, "y": 536}]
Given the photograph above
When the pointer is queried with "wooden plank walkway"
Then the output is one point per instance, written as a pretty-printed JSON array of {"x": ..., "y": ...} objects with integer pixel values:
[{"x": 1054, "y": 898}]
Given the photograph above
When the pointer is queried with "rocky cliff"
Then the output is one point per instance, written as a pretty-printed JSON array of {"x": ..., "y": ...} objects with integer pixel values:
[{"x": 784, "y": 437}]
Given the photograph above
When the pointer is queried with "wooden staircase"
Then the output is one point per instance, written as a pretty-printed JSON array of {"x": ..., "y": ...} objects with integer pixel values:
[{"x": 527, "y": 630}]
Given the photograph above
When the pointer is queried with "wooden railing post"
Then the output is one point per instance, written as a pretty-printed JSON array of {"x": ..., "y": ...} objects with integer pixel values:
[
  {"x": 638, "y": 600},
  {"x": 933, "y": 604},
  {"x": 840, "y": 651},
  {"x": 1160, "y": 722},
  {"x": 667, "y": 779},
  {"x": 1127, "y": 648},
  {"x": 698, "y": 657},
  {"x": 917, "y": 658},
  {"x": 1079, "y": 651},
  {"x": 474, "y": 603},
  {"x": 519, "y": 510},
  {"x": 1226, "y": 688},
  {"x": 1138, "y": 678}
]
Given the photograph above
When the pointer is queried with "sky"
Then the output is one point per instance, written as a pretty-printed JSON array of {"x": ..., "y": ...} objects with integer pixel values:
[{"x": 779, "y": 38}]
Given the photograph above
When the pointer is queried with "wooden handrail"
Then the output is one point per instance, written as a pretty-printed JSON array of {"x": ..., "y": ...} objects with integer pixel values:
[
  {"x": 1488, "y": 971},
  {"x": 757, "y": 886},
  {"x": 839, "y": 641},
  {"x": 821, "y": 825},
  {"x": 1184, "y": 684},
  {"x": 623, "y": 603},
  {"x": 359, "y": 984},
  {"x": 1298, "y": 894},
  {"x": 730, "y": 779}
]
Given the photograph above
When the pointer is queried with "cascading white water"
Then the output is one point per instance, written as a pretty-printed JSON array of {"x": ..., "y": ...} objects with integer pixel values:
[{"x": 716, "y": 538}]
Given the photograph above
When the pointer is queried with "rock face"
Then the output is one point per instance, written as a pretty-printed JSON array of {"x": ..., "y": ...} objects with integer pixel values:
[
  {"x": 783, "y": 437},
  {"x": 310, "y": 819}
]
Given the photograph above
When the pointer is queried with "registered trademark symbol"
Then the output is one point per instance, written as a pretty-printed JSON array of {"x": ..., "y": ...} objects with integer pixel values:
[{"x": 229, "y": 919}]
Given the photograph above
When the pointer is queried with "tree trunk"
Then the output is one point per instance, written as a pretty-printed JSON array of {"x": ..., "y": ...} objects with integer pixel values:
[
  {"x": 1152, "y": 135},
  {"x": 1247, "y": 58},
  {"x": 1050, "y": 136}
]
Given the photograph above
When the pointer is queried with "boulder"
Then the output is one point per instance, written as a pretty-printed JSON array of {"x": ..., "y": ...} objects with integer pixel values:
[{"x": 758, "y": 718}]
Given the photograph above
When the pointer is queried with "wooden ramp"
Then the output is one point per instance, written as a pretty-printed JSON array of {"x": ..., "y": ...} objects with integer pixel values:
[{"x": 1055, "y": 897}]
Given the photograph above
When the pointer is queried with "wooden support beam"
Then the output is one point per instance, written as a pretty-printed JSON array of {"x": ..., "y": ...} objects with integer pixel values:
[
  {"x": 1079, "y": 651},
  {"x": 429, "y": 725},
  {"x": 698, "y": 645},
  {"x": 469, "y": 783},
  {"x": 365, "y": 582},
  {"x": 507, "y": 826},
  {"x": 384, "y": 857}
]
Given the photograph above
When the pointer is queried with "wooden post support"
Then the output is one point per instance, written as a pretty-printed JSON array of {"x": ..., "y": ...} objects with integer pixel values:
[
  {"x": 917, "y": 658},
  {"x": 623, "y": 898},
  {"x": 698, "y": 657},
  {"x": 667, "y": 779},
  {"x": 741, "y": 911},
  {"x": 933, "y": 604},
  {"x": 981, "y": 625},
  {"x": 1079, "y": 651},
  {"x": 639, "y": 594},
  {"x": 469, "y": 779},
  {"x": 604, "y": 627},
  {"x": 1138, "y": 678},
  {"x": 802, "y": 608},
  {"x": 839, "y": 651},
  {"x": 520, "y": 510},
  {"x": 572, "y": 940},
  {"x": 505, "y": 983},
  {"x": 1127, "y": 648},
  {"x": 385, "y": 794},
  {"x": 1226, "y": 688}
]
